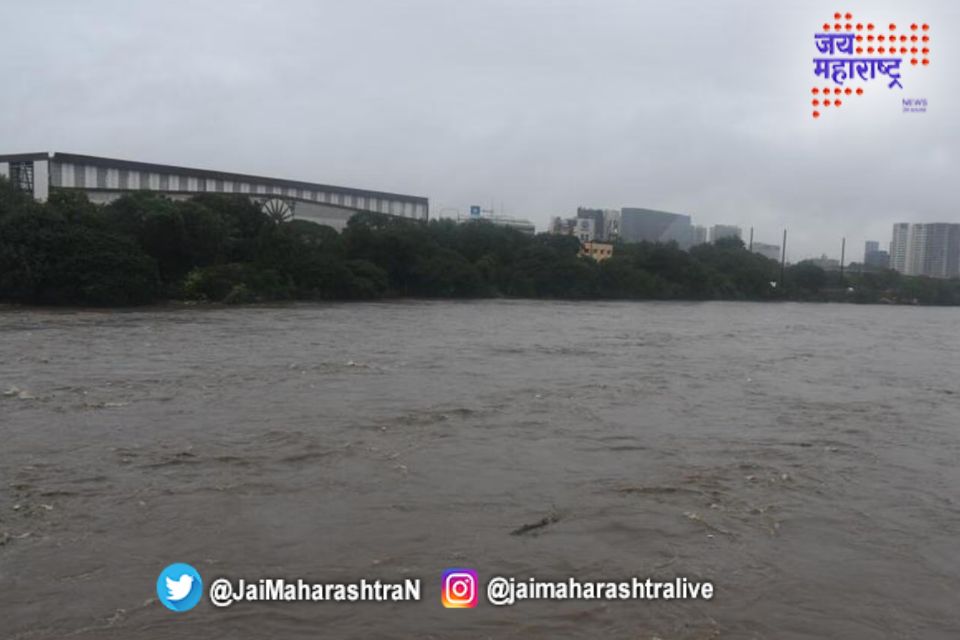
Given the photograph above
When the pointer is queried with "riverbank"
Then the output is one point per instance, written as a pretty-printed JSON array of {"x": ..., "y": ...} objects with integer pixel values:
[
  {"x": 142, "y": 249},
  {"x": 174, "y": 304}
]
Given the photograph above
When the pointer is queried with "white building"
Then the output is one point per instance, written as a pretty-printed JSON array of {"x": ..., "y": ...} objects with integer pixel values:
[
  {"x": 104, "y": 180},
  {"x": 586, "y": 230},
  {"x": 898, "y": 247},
  {"x": 590, "y": 224}
]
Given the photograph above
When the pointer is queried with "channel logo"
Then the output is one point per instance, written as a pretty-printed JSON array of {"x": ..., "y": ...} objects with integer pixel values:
[
  {"x": 459, "y": 589},
  {"x": 179, "y": 587}
]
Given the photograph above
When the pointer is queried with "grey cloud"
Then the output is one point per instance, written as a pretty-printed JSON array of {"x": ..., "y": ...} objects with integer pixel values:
[{"x": 540, "y": 105}]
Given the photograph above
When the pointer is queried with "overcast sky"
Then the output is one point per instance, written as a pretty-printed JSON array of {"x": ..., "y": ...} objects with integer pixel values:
[{"x": 533, "y": 106}]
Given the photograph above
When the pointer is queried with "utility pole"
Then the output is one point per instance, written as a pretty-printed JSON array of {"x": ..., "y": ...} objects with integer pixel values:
[
  {"x": 751, "y": 239},
  {"x": 843, "y": 253},
  {"x": 783, "y": 258}
]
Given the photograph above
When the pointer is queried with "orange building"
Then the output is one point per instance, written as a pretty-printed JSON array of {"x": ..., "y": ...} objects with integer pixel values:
[{"x": 599, "y": 251}]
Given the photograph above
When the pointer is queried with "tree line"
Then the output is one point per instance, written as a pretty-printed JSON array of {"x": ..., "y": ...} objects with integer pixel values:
[{"x": 144, "y": 248}]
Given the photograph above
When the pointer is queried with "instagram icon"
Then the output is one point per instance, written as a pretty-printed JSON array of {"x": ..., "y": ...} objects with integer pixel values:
[{"x": 459, "y": 590}]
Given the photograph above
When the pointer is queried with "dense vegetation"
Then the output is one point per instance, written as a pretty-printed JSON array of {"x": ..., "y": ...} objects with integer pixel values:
[{"x": 144, "y": 248}]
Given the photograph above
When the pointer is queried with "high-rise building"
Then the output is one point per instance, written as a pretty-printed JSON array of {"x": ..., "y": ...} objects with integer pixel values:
[
  {"x": 874, "y": 257},
  {"x": 926, "y": 249},
  {"x": 898, "y": 247},
  {"x": 649, "y": 225},
  {"x": 942, "y": 250},
  {"x": 916, "y": 249},
  {"x": 877, "y": 259},
  {"x": 699, "y": 235},
  {"x": 719, "y": 231}
]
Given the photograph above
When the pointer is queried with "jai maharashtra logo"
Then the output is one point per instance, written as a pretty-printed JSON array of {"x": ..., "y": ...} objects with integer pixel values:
[{"x": 855, "y": 57}]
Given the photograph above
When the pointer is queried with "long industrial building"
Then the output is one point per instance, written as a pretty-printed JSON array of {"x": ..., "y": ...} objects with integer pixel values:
[{"x": 106, "y": 179}]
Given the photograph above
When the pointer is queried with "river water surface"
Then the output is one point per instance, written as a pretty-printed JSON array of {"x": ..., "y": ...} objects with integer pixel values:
[{"x": 804, "y": 458}]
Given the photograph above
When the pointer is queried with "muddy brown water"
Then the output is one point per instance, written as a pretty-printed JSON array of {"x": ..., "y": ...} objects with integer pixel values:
[{"x": 804, "y": 458}]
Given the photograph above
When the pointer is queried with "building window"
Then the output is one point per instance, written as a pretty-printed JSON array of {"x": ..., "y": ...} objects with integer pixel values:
[
  {"x": 144, "y": 179},
  {"x": 56, "y": 174},
  {"x": 124, "y": 179},
  {"x": 101, "y": 177},
  {"x": 21, "y": 175},
  {"x": 66, "y": 176},
  {"x": 218, "y": 186}
]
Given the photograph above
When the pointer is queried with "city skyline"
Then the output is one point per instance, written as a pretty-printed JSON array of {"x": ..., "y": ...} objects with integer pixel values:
[{"x": 533, "y": 107}]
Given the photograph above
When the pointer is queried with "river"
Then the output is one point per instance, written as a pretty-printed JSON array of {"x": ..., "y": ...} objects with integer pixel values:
[{"x": 803, "y": 458}]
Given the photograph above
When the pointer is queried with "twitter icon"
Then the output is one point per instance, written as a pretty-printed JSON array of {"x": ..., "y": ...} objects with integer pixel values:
[{"x": 179, "y": 587}]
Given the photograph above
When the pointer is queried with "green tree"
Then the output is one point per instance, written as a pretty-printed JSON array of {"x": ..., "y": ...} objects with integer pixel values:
[
  {"x": 806, "y": 276},
  {"x": 13, "y": 200},
  {"x": 45, "y": 259}
]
